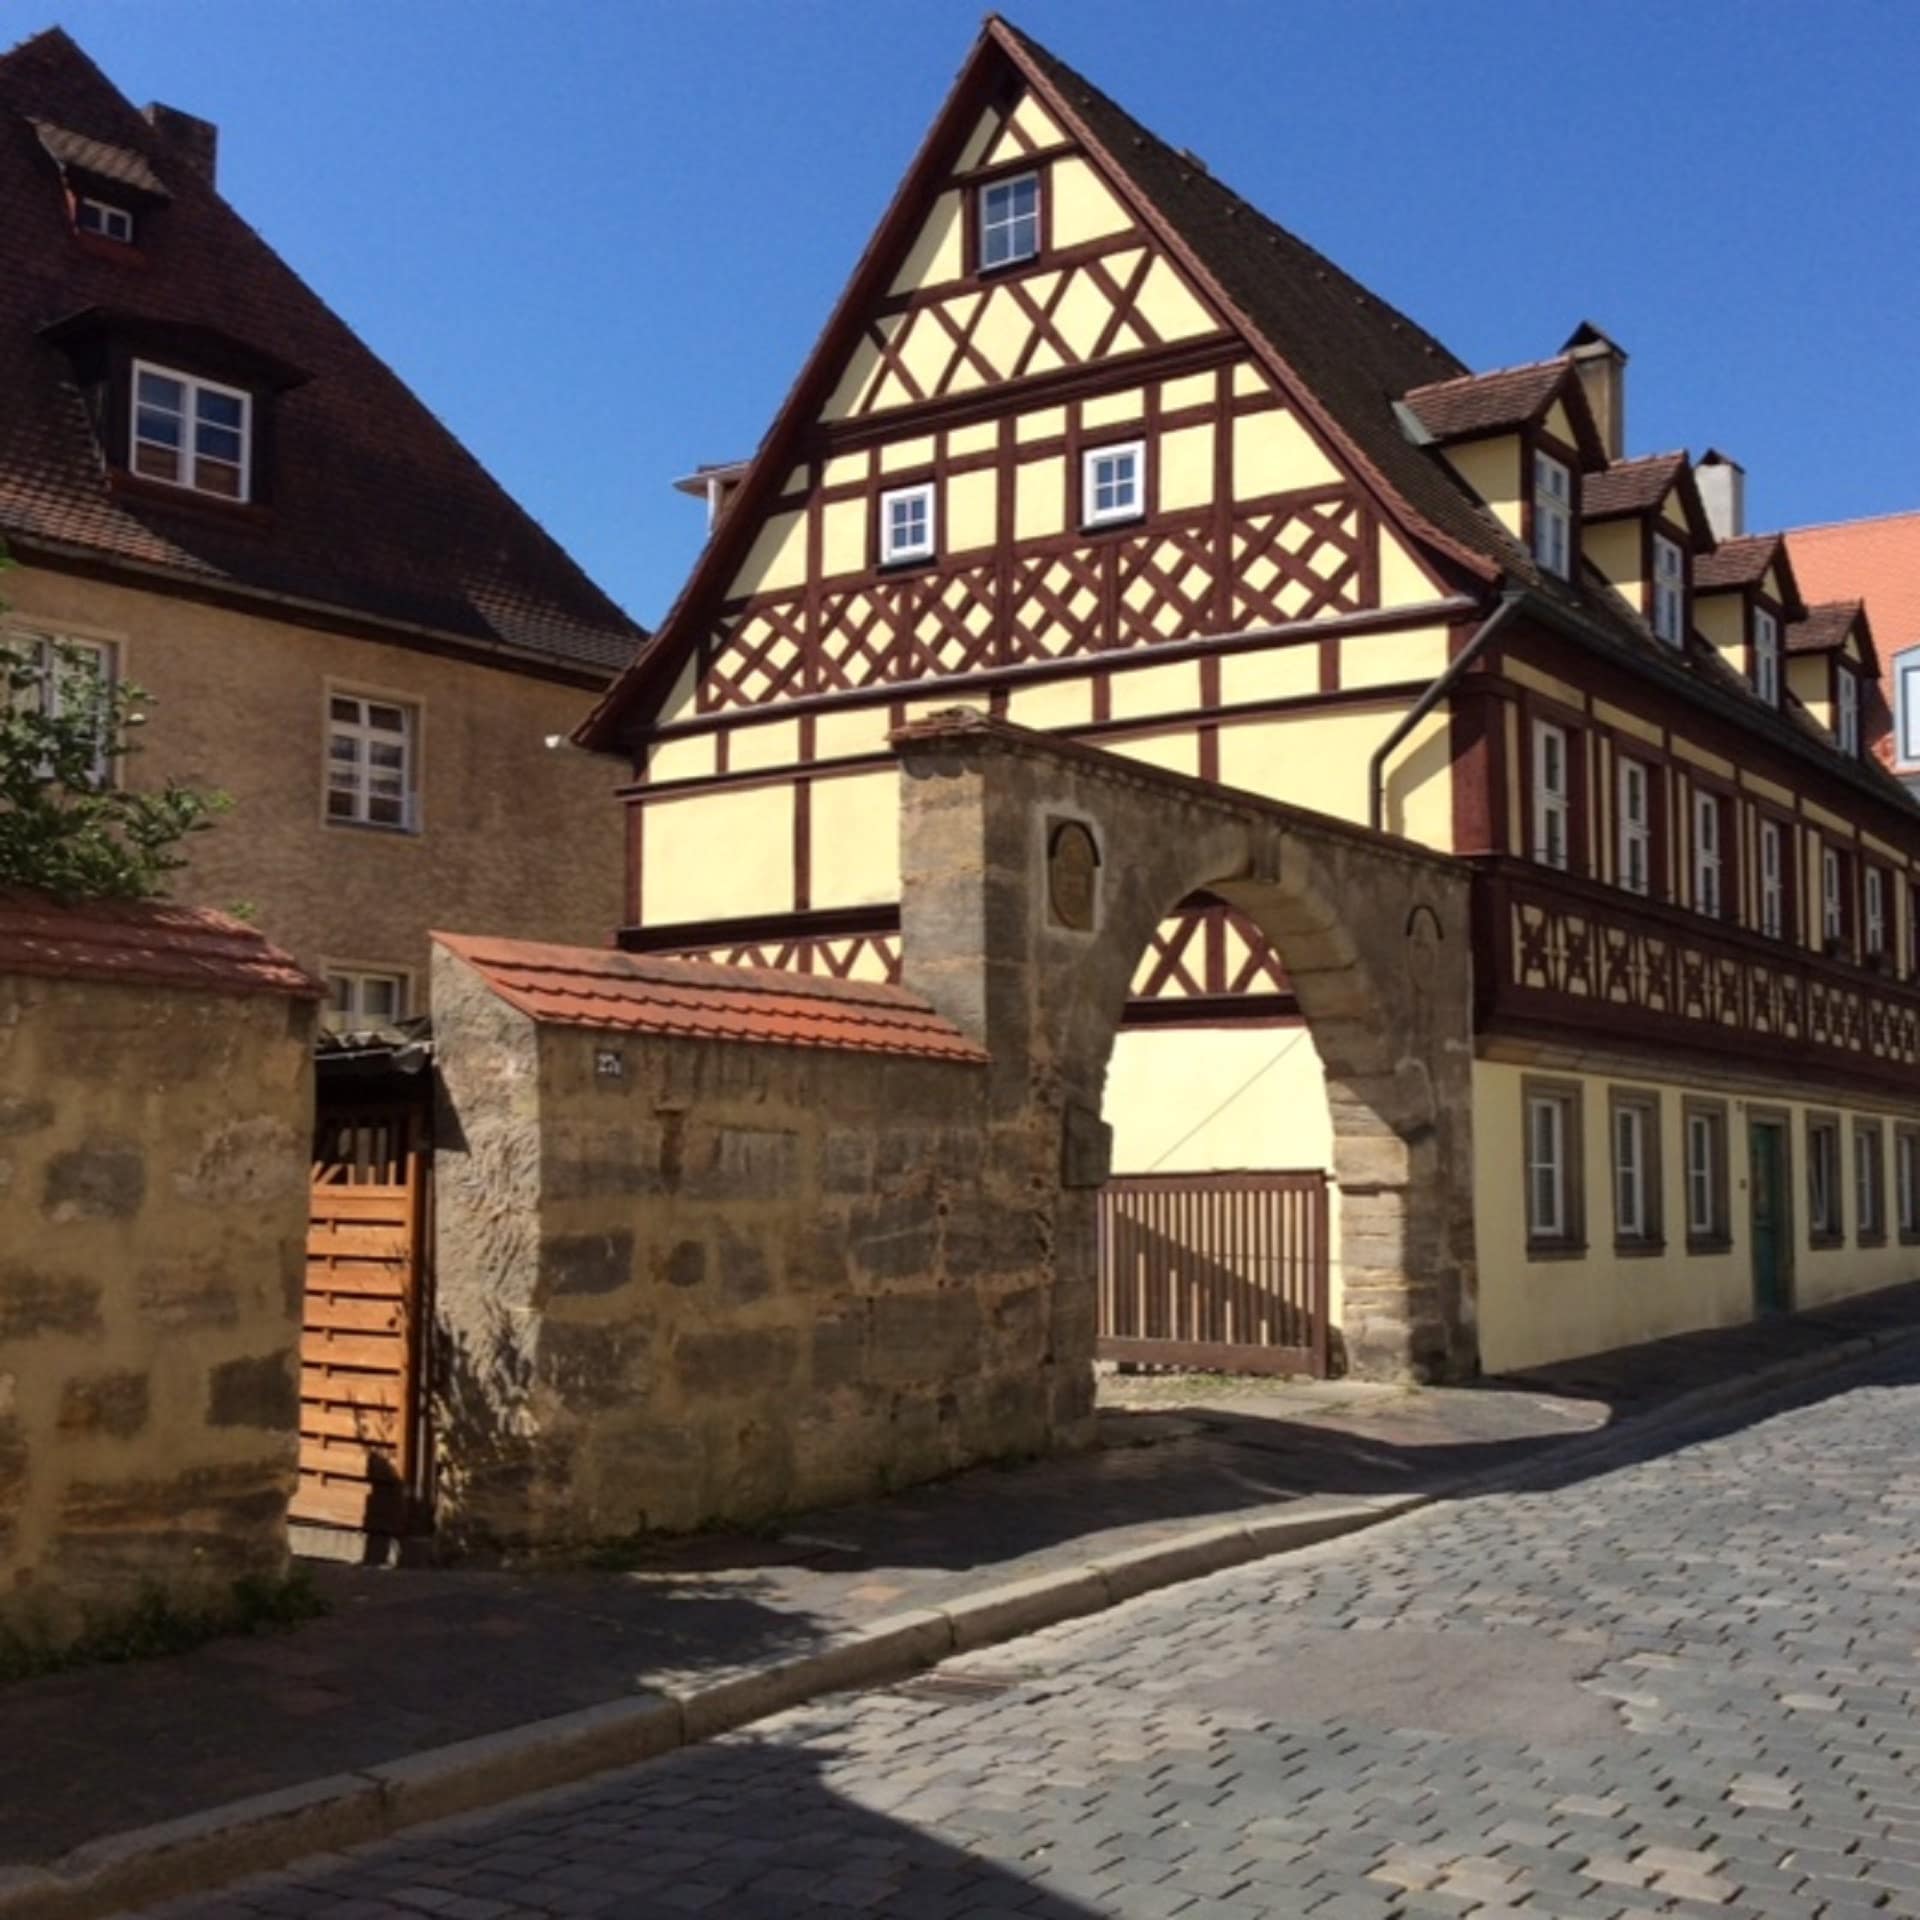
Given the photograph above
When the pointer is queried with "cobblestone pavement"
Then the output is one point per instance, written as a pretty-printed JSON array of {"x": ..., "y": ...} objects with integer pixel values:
[{"x": 1683, "y": 1687}]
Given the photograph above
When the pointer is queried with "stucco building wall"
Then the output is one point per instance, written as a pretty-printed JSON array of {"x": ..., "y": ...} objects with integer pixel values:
[
  {"x": 154, "y": 1147},
  {"x": 513, "y": 836}
]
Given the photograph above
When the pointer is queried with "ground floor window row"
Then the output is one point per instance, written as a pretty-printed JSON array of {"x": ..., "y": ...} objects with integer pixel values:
[{"x": 1635, "y": 1209}]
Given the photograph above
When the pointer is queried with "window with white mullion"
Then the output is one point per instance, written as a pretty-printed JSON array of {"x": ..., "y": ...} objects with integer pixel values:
[
  {"x": 1631, "y": 1219},
  {"x": 1846, "y": 710},
  {"x": 1773, "y": 886},
  {"x": 109, "y": 221},
  {"x": 1707, "y": 857},
  {"x": 371, "y": 751},
  {"x": 1010, "y": 220},
  {"x": 1833, "y": 904},
  {"x": 1553, "y": 515},
  {"x": 907, "y": 524},
  {"x": 1766, "y": 656},
  {"x": 1547, "y": 1166},
  {"x": 66, "y": 676},
  {"x": 358, "y": 997},
  {"x": 1702, "y": 1176},
  {"x": 1552, "y": 796},
  {"x": 1906, "y": 1181},
  {"x": 1111, "y": 483},
  {"x": 1635, "y": 854},
  {"x": 191, "y": 433},
  {"x": 1874, "y": 904},
  {"x": 1669, "y": 590}
]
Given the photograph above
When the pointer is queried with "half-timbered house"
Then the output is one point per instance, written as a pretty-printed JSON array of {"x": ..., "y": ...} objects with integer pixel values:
[{"x": 1093, "y": 444}]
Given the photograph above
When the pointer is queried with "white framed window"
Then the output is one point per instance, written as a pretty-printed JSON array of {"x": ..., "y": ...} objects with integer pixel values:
[
  {"x": 1833, "y": 902},
  {"x": 1707, "y": 864},
  {"x": 1669, "y": 591},
  {"x": 1906, "y": 1181},
  {"x": 191, "y": 433},
  {"x": 1869, "y": 1222},
  {"x": 1908, "y": 684},
  {"x": 1873, "y": 896},
  {"x": 1633, "y": 1147},
  {"x": 1553, "y": 1197},
  {"x": 1552, "y": 795},
  {"x": 1766, "y": 656},
  {"x": 1773, "y": 884},
  {"x": 359, "y": 997},
  {"x": 1113, "y": 483},
  {"x": 104, "y": 218},
  {"x": 1846, "y": 710},
  {"x": 1823, "y": 1180},
  {"x": 907, "y": 529},
  {"x": 1010, "y": 220},
  {"x": 65, "y": 675},
  {"x": 1636, "y": 826},
  {"x": 1553, "y": 515},
  {"x": 1705, "y": 1132},
  {"x": 373, "y": 752}
]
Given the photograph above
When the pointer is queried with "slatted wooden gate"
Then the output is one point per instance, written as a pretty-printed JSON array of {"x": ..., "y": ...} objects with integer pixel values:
[
  {"x": 363, "y": 1457},
  {"x": 1227, "y": 1270}
]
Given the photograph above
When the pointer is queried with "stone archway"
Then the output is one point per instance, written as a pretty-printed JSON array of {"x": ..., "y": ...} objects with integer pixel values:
[{"x": 1034, "y": 873}]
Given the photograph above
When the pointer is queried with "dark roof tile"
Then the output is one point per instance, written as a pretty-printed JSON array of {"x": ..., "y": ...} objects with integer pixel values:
[{"x": 1476, "y": 403}]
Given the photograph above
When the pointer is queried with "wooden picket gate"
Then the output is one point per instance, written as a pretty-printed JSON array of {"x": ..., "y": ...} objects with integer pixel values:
[
  {"x": 363, "y": 1453},
  {"x": 1226, "y": 1270}
]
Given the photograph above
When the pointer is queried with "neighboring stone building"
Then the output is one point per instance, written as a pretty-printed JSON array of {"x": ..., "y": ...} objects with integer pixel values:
[
  {"x": 1092, "y": 444},
  {"x": 211, "y": 483}
]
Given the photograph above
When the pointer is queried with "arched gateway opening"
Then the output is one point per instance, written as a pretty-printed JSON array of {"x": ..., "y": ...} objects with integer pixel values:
[{"x": 1034, "y": 876}]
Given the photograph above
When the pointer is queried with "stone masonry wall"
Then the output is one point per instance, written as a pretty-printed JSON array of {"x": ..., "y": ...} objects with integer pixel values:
[
  {"x": 733, "y": 1280},
  {"x": 154, "y": 1153}
]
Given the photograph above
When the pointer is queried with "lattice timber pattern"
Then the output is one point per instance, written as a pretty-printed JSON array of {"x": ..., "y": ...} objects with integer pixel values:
[
  {"x": 1293, "y": 560},
  {"x": 360, "y": 1351},
  {"x": 1227, "y": 1270}
]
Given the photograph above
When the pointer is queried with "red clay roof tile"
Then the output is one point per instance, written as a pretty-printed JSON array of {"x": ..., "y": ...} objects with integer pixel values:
[
  {"x": 698, "y": 999},
  {"x": 1488, "y": 402},
  {"x": 1877, "y": 561},
  {"x": 1630, "y": 486},
  {"x": 144, "y": 942}
]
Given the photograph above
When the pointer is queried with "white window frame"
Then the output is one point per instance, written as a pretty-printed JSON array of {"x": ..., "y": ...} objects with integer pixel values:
[
  {"x": 1632, "y": 1216},
  {"x": 1824, "y": 1174},
  {"x": 110, "y": 220},
  {"x": 1773, "y": 883},
  {"x": 1093, "y": 515},
  {"x": 1907, "y": 683},
  {"x": 1553, "y": 515},
  {"x": 1669, "y": 591},
  {"x": 894, "y": 552},
  {"x": 1549, "y": 1213},
  {"x": 1709, "y": 865},
  {"x": 1635, "y": 808},
  {"x": 1766, "y": 656},
  {"x": 1703, "y": 1177},
  {"x": 357, "y": 977},
  {"x": 1869, "y": 1203},
  {"x": 1846, "y": 710},
  {"x": 39, "y": 648},
  {"x": 366, "y": 735},
  {"x": 1906, "y": 1180},
  {"x": 1873, "y": 910},
  {"x": 193, "y": 386},
  {"x": 1833, "y": 917},
  {"x": 993, "y": 228},
  {"x": 1552, "y": 803}
]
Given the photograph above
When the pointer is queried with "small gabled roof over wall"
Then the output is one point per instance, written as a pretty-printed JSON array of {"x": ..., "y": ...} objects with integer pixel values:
[
  {"x": 144, "y": 943},
  {"x": 699, "y": 1000}
]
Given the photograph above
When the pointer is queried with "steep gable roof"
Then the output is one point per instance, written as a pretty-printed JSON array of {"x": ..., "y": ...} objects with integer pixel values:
[
  {"x": 1825, "y": 629},
  {"x": 377, "y": 511},
  {"x": 1496, "y": 402},
  {"x": 1630, "y": 486}
]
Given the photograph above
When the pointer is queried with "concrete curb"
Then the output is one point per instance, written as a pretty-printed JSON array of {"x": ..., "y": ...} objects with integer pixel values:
[{"x": 257, "y": 1835}]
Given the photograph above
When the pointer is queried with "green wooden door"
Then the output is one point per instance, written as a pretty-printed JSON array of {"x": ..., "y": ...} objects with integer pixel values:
[{"x": 1767, "y": 1154}]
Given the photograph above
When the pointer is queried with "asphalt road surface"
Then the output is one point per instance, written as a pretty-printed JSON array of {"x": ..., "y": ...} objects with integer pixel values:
[{"x": 1683, "y": 1686}]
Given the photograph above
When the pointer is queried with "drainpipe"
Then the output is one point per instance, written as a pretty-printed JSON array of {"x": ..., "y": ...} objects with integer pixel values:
[{"x": 1510, "y": 604}]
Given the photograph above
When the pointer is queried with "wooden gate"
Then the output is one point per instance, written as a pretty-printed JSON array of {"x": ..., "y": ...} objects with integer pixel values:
[
  {"x": 1227, "y": 1270},
  {"x": 363, "y": 1457}
]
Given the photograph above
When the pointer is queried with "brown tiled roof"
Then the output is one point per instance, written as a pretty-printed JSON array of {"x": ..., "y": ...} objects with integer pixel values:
[
  {"x": 69, "y": 149},
  {"x": 1630, "y": 486},
  {"x": 1501, "y": 401},
  {"x": 376, "y": 510},
  {"x": 1877, "y": 561},
  {"x": 1739, "y": 562},
  {"x": 146, "y": 943},
  {"x": 1824, "y": 628},
  {"x": 703, "y": 1000}
]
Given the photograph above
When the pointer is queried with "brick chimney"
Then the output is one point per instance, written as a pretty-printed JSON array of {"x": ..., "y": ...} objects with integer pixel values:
[
  {"x": 194, "y": 141},
  {"x": 1723, "y": 492},
  {"x": 1602, "y": 366}
]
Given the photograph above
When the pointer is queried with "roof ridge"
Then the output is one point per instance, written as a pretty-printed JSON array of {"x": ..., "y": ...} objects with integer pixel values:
[
  {"x": 1862, "y": 520},
  {"x": 1495, "y": 373}
]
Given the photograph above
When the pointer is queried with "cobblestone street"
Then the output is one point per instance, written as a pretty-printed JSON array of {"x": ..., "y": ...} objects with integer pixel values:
[{"x": 1682, "y": 1687}]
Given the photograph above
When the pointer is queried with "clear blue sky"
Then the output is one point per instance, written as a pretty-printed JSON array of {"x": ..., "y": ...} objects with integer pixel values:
[{"x": 598, "y": 236}]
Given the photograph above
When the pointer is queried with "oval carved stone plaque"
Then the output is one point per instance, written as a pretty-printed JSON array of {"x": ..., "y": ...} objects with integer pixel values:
[{"x": 1073, "y": 872}]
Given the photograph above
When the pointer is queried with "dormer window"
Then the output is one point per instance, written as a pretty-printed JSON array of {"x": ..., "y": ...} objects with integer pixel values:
[
  {"x": 1766, "y": 656},
  {"x": 190, "y": 433},
  {"x": 1010, "y": 221},
  {"x": 1846, "y": 711},
  {"x": 103, "y": 217},
  {"x": 1553, "y": 515},
  {"x": 1669, "y": 591}
]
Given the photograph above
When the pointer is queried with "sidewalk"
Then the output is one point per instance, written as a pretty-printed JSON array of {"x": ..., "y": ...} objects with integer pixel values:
[{"x": 415, "y": 1660}]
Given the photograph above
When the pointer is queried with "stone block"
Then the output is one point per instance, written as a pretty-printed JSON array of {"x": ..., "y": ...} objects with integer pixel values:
[
  {"x": 263, "y": 1392},
  {"x": 33, "y": 1303},
  {"x": 738, "y": 1360},
  {"x": 586, "y": 1263},
  {"x": 840, "y": 1349},
  {"x": 741, "y": 1163},
  {"x": 744, "y": 1275},
  {"x": 592, "y": 1368},
  {"x": 894, "y": 1237},
  {"x": 926, "y": 1336},
  {"x": 102, "y": 1182},
  {"x": 115, "y": 1403},
  {"x": 24, "y": 1113}
]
